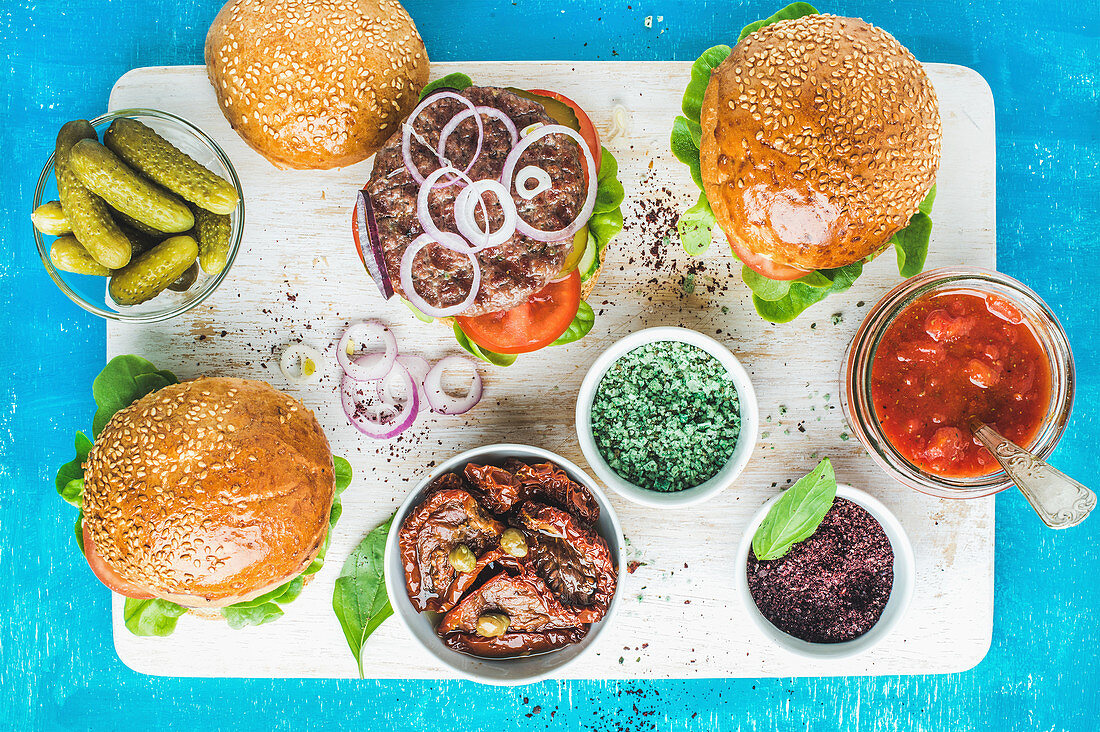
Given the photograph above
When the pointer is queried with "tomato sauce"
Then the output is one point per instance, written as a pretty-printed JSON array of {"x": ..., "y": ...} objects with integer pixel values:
[{"x": 948, "y": 358}]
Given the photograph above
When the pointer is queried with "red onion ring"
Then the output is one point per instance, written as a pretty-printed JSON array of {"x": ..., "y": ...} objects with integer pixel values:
[
  {"x": 448, "y": 239},
  {"x": 465, "y": 114},
  {"x": 441, "y": 401},
  {"x": 471, "y": 197},
  {"x": 362, "y": 332},
  {"x": 371, "y": 426},
  {"x": 407, "y": 132},
  {"x": 531, "y": 172},
  {"x": 417, "y": 366},
  {"x": 590, "y": 200},
  {"x": 409, "y": 286}
]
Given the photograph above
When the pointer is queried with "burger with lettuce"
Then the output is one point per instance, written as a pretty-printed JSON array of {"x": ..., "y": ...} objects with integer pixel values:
[
  {"x": 491, "y": 210},
  {"x": 815, "y": 142}
]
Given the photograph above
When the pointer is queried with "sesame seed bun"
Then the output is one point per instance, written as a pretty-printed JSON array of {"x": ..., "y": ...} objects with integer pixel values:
[
  {"x": 209, "y": 492},
  {"x": 821, "y": 136},
  {"x": 315, "y": 83}
]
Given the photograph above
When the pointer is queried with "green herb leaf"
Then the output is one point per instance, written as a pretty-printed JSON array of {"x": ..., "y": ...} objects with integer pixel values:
[
  {"x": 70, "y": 477},
  {"x": 782, "y": 302},
  {"x": 416, "y": 311},
  {"x": 579, "y": 328},
  {"x": 155, "y": 617},
  {"x": 359, "y": 598},
  {"x": 911, "y": 243},
  {"x": 242, "y": 617},
  {"x": 496, "y": 359},
  {"x": 604, "y": 227},
  {"x": 123, "y": 381},
  {"x": 685, "y": 132},
  {"x": 792, "y": 11},
  {"x": 342, "y": 468},
  {"x": 455, "y": 81},
  {"x": 797, "y": 514},
  {"x": 696, "y": 226},
  {"x": 701, "y": 70},
  {"x": 609, "y": 191}
]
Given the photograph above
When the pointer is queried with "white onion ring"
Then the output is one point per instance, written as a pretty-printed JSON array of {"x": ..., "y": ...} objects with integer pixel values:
[
  {"x": 590, "y": 200},
  {"x": 299, "y": 353},
  {"x": 471, "y": 197},
  {"x": 372, "y": 426},
  {"x": 465, "y": 114},
  {"x": 418, "y": 368},
  {"x": 361, "y": 333},
  {"x": 448, "y": 239},
  {"x": 421, "y": 304},
  {"x": 443, "y": 402},
  {"x": 530, "y": 172},
  {"x": 407, "y": 131}
]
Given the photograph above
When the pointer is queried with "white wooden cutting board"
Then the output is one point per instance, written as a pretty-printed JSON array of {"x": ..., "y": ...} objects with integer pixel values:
[{"x": 298, "y": 276}]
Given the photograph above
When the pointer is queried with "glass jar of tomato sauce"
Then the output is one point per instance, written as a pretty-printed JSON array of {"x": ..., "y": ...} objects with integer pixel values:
[{"x": 975, "y": 330}]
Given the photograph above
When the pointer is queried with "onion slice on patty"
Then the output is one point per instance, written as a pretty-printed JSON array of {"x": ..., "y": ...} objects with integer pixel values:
[
  {"x": 409, "y": 285},
  {"x": 407, "y": 132},
  {"x": 466, "y": 114},
  {"x": 469, "y": 199},
  {"x": 529, "y": 173}
]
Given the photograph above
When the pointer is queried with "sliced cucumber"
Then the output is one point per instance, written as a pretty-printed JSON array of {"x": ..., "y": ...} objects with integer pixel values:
[{"x": 590, "y": 260}]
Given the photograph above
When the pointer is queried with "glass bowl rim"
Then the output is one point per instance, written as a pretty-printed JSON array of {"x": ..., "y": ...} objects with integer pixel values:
[{"x": 236, "y": 236}]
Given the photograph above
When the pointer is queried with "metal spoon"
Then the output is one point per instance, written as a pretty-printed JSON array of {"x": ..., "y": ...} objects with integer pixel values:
[{"x": 1059, "y": 500}]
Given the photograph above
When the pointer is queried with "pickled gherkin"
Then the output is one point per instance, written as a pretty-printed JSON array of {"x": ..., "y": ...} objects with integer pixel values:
[
  {"x": 150, "y": 273},
  {"x": 87, "y": 214},
  {"x": 169, "y": 166},
  {"x": 184, "y": 281},
  {"x": 129, "y": 222},
  {"x": 68, "y": 255},
  {"x": 107, "y": 176},
  {"x": 212, "y": 231},
  {"x": 49, "y": 218}
]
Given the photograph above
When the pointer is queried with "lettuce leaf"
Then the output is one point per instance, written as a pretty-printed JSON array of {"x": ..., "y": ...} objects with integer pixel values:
[
  {"x": 579, "y": 328},
  {"x": 490, "y": 357},
  {"x": 781, "y": 302},
  {"x": 154, "y": 617},
  {"x": 70, "y": 477},
  {"x": 455, "y": 81},
  {"x": 696, "y": 226},
  {"x": 123, "y": 381},
  {"x": 911, "y": 243},
  {"x": 792, "y": 11}
]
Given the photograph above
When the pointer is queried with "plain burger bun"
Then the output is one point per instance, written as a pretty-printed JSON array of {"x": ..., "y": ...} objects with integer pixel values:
[
  {"x": 821, "y": 136},
  {"x": 209, "y": 492},
  {"x": 315, "y": 83}
]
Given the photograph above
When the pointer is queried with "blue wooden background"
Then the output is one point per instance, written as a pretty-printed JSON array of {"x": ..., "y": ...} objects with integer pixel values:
[{"x": 58, "y": 669}]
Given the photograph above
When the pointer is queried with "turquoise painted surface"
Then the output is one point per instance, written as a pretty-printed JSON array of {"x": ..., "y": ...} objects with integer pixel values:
[{"x": 58, "y": 669}]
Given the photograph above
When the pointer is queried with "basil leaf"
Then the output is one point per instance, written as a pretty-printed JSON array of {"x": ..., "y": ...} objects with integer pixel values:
[
  {"x": 796, "y": 516},
  {"x": 456, "y": 81},
  {"x": 283, "y": 593},
  {"x": 704, "y": 66},
  {"x": 579, "y": 328},
  {"x": 684, "y": 147},
  {"x": 342, "y": 468},
  {"x": 496, "y": 359},
  {"x": 696, "y": 226},
  {"x": 70, "y": 477},
  {"x": 359, "y": 598},
  {"x": 800, "y": 294},
  {"x": 792, "y": 11},
  {"x": 123, "y": 381},
  {"x": 605, "y": 226},
  {"x": 155, "y": 617},
  {"x": 242, "y": 617},
  {"x": 609, "y": 191},
  {"x": 911, "y": 243}
]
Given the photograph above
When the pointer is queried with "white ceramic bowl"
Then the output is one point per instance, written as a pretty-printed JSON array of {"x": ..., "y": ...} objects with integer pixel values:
[
  {"x": 505, "y": 671},
  {"x": 746, "y": 442},
  {"x": 896, "y": 606}
]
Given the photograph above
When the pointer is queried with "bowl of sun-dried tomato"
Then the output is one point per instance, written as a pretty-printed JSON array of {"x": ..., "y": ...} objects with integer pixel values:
[{"x": 504, "y": 563}]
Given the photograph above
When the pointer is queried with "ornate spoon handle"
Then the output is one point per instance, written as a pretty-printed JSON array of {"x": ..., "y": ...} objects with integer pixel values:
[{"x": 1059, "y": 500}]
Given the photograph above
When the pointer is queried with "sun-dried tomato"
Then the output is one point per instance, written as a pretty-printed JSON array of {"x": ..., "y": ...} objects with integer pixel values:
[
  {"x": 547, "y": 483},
  {"x": 574, "y": 561},
  {"x": 492, "y": 559},
  {"x": 511, "y": 645},
  {"x": 448, "y": 517},
  {"x": 498, "y": 488},
  {"x": 524, "y": 598}
]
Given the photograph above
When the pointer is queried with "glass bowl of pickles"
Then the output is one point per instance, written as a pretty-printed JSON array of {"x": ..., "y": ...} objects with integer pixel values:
[{"x": 137, "y": 215}]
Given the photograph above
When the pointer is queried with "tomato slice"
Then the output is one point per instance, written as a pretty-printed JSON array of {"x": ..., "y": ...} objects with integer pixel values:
[
  {"x": 107, "y": 575},
  {"x": 587, "y": 129},
  {"x": 528, "y": 327},
  {"x": 764, "y": 266}
]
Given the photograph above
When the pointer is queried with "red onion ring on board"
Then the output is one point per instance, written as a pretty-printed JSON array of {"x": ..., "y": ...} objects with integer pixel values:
[
  {"x": 417, "y": 366},
  {"x": 440, "y": 400},
  {"x": 512, "y": 160},
  {"x": 407, "y": 132},
  {"x": 409, "y": 286},
  {"x": 466, "y": 114},
  {"x": 373, "y": 426},
  {"x": 361, "y": 333},
  {"x": 465, "y": 217}
]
